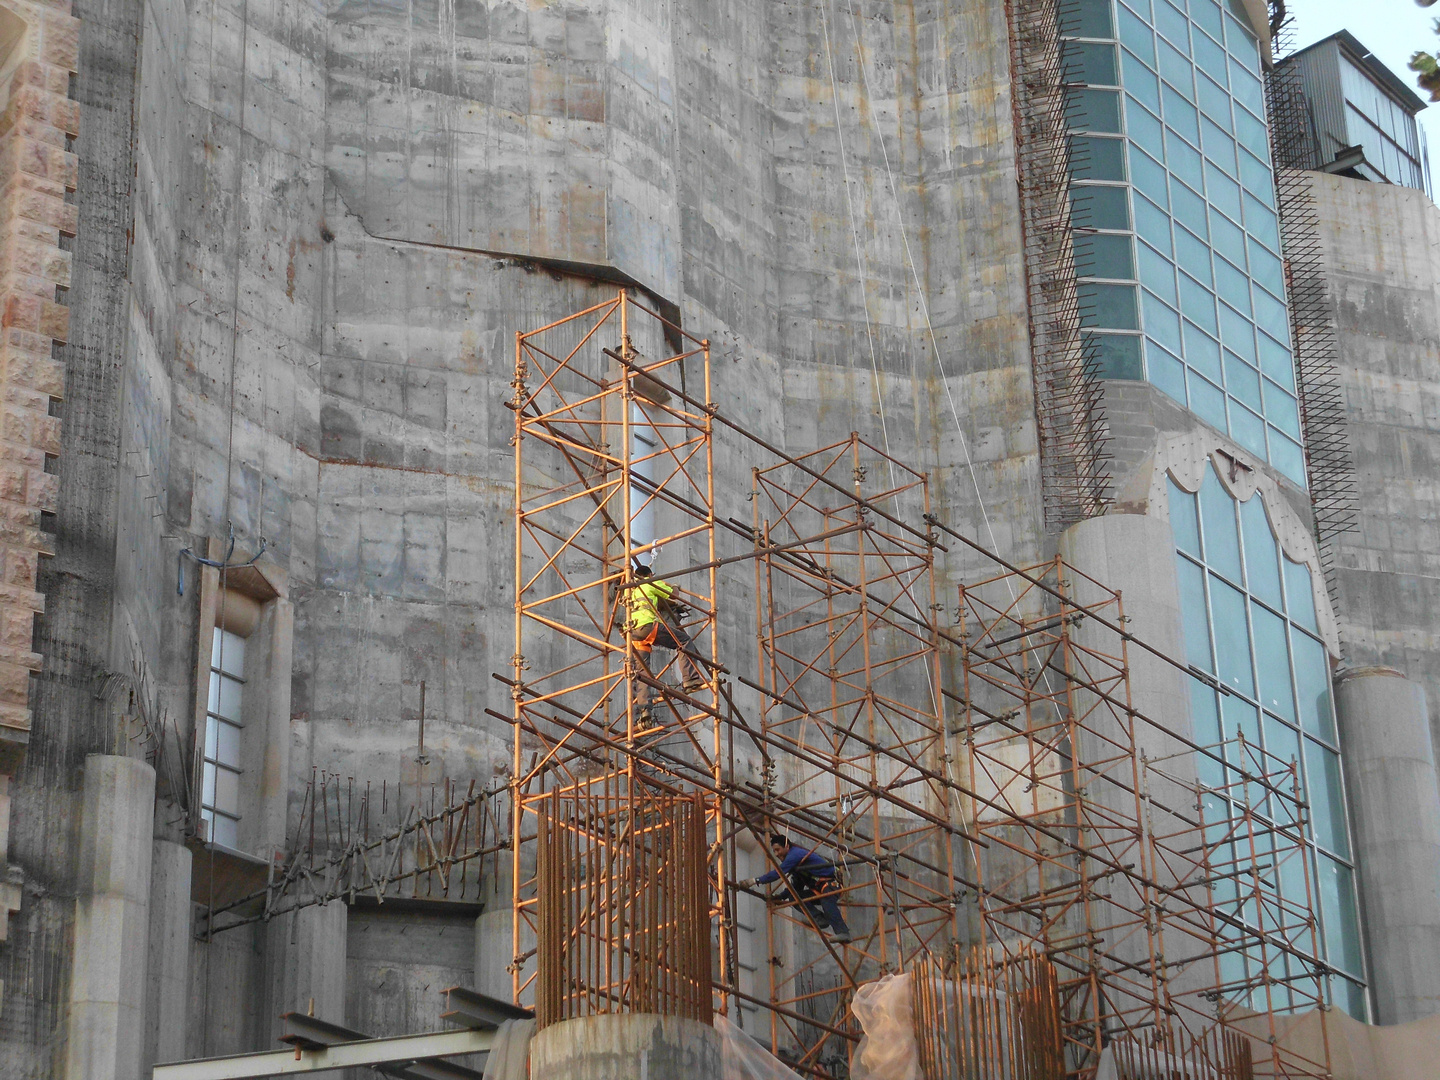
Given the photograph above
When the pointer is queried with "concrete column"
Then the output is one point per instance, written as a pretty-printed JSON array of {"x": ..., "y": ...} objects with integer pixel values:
[
  {"x": 112, "y": 921},
  {"x": 626, "y": 1046},
  {"x": 168, "y": 974},
  {"x": 278, "y": 628},
  {"x": 1395, "y": 815},
  {"x": 306, "y": 951},
  {"x": 1134, "y": 554}
]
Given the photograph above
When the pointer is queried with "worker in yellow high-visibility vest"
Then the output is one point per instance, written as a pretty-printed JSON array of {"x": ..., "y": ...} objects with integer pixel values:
[{"x": 655, "y": 622}]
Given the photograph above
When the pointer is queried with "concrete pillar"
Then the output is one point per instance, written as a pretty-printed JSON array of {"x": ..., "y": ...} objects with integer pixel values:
[
  {"x": 626, "y": 1046},
  {"x": 1395, "y": 815},
  {"x": 168, "y": 973},
  {"x": 494, "y": 952},
  {"x": 112, "y": 921},
  {"x": 1134, "y": 554},
  {"x": 306, "y": 951}
]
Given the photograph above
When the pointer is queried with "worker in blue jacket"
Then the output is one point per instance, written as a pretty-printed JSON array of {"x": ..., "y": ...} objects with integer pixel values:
[{"x": 813, "y": 878}]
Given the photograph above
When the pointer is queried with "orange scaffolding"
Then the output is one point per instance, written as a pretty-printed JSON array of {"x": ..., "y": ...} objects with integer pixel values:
[{"x": 986, "y": 786}]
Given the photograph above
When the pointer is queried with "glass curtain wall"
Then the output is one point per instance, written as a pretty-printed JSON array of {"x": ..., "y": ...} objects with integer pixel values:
[
  {"x": 1249, "y": 617},
  {"x": 1177, "y": 243}
]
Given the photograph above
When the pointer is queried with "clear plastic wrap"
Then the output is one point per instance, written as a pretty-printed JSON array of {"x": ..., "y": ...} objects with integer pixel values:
[
  {"x": 742, "y": 1058},
  {"x": 886, "y": 1011}
]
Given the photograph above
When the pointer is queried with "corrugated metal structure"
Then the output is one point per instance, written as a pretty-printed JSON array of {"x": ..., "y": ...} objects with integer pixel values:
[{"x": 1361, "y": 115}]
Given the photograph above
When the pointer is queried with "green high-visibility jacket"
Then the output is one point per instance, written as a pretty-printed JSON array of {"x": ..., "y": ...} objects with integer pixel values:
[{"x": 646, "y": 601}]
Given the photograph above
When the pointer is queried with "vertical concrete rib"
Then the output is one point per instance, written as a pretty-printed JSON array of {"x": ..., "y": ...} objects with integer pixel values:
[
  {"x": 112, "y": 921},
  {"x": 1395, "y": 814}
]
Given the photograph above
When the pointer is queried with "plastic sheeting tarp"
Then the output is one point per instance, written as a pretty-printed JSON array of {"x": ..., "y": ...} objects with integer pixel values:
[
  {"x": 742, "y": 1058},
  {"x": 509, "y": 1057},
  {"x": 886, "y": 1011}
]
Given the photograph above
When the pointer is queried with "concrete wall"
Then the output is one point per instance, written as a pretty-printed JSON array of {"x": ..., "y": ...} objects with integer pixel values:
[
  {"x": 308, "y": 234},
  {"x": 1382, "y": 263}
]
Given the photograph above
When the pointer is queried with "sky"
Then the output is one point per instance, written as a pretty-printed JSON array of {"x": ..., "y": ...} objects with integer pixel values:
[{"x": 1391, "y": 29}]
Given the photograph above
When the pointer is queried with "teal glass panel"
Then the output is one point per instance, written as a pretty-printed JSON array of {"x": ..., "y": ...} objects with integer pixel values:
[
  {"x": 1247, "y": 429},
  {"x": 1207, "y": 14},
  {"x": 1262, "y": 561},
  {"x": 1241, "y": 44},
  {"x": 1239, "y": 718},
  {"x": 1261, "y": 223},
  {"x": 1117, "y": 356},
  {"x": 1222, "y": 191},
  {"x": 1161, "y": 322},
  {"x": 1099, "y": 207},
  {"x": 1312, "y": 686},
  {"x": 1299, "y": 594},
  {"x": 1228, "y": 239},
  {"x": 1214, "y": 102},
  {"x": 1247, "y": 89},
  {"x": 1251, "y": 134},
  {"x": 1148, "y": 175},
  {"x": 1086, "y": 18},
  {"x": 1236, "y": 333},
  {"x": 1173, "y": 25},
  {"x": 1202, "y": 352},
  {"x": 1108, "y": 306},
  {"x": 1192, "y": 612},
  {"x": 1267, "y": 269},
  {"x": 1210, "y": 58},
  {"x": 1153, "y": 224},
  {"x": 1217, "y": 517},
  {"x": 1156, "y": 271},
  {"x": 1184, "y": 519},
  {"x": 1207, "y": 401},
  {"x": 1234, "y": 288},
  {"x": 1140, "y": 7},
  {"x": 1275, "y": 362},
  {"x": 1139, "y": 81},
  {"x": 1094, "y": 158},
  {"x": 1197, "y": 303},
  {"x": 1241, "y": 380},
  {"x": 1272, "y": 661},
  {"x": 1327, "y": 797},
  {"x": 1137, "y": 37},
  {"x": 1189, "y": 208},
  {"x": 1219, "y": 147},
  {"x": 1205, "y": 714},
  {"x": 1286, "y": 456},
  {"x": 1282, "y": 410},
  {"x": 1145, "y": 130},
  {"x": 1091, "y": 63},
  {"x": 1193, "y": 255},
  {"x": 1337, "y": 907},
  {"x": 1349, "y": 996},
  {"x": 1184, "y": 160},
  {"x": 1232, "y": 639},
  {"x": 1181, "y": 116},
  {"x": 1257, "y": 179},
  {"x": 1270, "y": 314},
  {"x": 1093, "y": 110},
  {"x": 1103, "y": 255},
  {"x": 1175, "y": 69},
  {"x": 1164, "y": 371},
  {"x": 1282, "y": 747}
]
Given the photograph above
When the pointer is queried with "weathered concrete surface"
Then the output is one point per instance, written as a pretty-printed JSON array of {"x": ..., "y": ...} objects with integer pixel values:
[
  {"x": 308, "y": 234},
  {"x": 1382, "y": 265},
  {"x": 104, "y": 1030},
  {"x": 1395, "y": 817},
  {"x": 622, "y": 1046},
  {"x": 167, "y": 973},
  {"x": 305, "y": 957}
]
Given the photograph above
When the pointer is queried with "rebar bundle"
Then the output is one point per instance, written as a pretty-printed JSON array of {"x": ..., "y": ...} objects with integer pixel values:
[
  {"x": 1072, "y": 429},
  {"x": 1330, "y": 465}
]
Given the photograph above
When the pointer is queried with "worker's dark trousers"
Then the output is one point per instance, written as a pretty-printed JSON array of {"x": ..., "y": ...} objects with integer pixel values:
[{"x": 819, "y": 895}]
